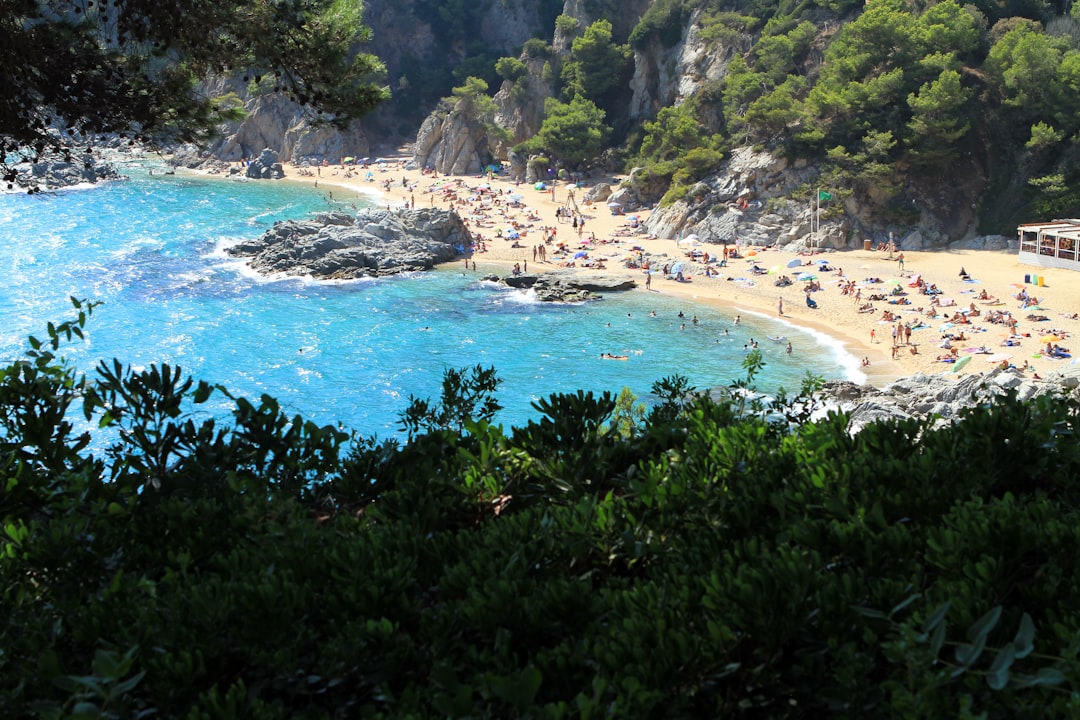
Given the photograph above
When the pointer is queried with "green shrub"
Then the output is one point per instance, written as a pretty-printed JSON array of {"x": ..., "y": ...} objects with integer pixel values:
[{"x": 693, "y": 561}]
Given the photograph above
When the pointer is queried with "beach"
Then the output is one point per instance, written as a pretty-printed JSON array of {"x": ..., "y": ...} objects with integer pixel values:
[{"x": 958, "y": 304}]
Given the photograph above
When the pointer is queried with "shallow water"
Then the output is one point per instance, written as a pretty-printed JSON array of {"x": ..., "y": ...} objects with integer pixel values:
[{"x": 150, "y": 249}]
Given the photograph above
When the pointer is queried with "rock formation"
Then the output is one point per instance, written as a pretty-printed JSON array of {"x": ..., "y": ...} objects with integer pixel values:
[
  {"x": 265, "y": 167},
  {"x": 56, "y": 172},
  {"x": 942, "y": 396},
  {"x": 338, "y": 246},
  {"x": 452, "y": 142},
  {"x": 566, "y": 285}
]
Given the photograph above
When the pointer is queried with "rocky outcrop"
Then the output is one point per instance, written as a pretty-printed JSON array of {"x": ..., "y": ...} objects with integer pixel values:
[
  {"x": 338, "y": 246},
  {"x": 943, "y": 396},
  {"x": 666, "y": 75},
  {"x": 56, "y": 173},
  {"x": 566, "y": 285},
  {"x": 265, "y": 167},
  {"x": 452, "y": 142}
]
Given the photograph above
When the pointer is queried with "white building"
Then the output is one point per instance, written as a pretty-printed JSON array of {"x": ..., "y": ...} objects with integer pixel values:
[{"x": 1051, "y": 244}]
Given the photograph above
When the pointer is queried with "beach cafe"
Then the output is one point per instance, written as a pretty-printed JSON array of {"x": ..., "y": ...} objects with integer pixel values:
[{"x": 1050, "y": 244}]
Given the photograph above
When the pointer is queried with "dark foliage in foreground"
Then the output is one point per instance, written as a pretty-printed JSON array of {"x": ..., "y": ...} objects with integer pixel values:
[
  {"x": 699, "y": 562},
  {"x": 133, "y": 66}
]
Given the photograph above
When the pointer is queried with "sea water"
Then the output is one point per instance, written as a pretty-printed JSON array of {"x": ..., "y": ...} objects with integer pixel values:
[{"x": 150, "y": 249}]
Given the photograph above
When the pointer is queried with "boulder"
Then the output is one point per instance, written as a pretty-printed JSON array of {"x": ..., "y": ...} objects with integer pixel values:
[
  {"x": 377, "y": 242},
  {"x": 266, "y": 166}
]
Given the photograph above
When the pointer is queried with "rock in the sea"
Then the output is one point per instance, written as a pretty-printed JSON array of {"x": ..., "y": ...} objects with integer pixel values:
[
  {"x": 337, "y": 246},
  {"x": 566, "y": 285}
]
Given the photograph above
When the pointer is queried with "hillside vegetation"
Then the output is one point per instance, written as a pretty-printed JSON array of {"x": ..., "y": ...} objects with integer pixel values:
[{"x": 893, "y": 100}]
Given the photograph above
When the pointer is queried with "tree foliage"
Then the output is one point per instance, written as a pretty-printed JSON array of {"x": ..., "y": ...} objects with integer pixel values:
[
  {"x": 596, "y": 64},
  {"x": 708, "y": 558},
  {"x": 131, "y": 66},
  {"x": 573, "y": 132}
]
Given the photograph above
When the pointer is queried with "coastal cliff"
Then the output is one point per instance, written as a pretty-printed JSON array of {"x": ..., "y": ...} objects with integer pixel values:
[{"x": 932, "y": 142}]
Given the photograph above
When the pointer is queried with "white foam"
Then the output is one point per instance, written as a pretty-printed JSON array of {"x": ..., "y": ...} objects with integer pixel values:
[{"x": 852, "y": 366}]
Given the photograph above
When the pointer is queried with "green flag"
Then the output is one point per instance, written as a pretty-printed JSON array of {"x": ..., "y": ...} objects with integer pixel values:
[{"x": 822, "y": 195}]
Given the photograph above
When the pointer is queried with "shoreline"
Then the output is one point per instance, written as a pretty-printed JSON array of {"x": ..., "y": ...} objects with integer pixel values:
[{"x": 736, "y": 290}]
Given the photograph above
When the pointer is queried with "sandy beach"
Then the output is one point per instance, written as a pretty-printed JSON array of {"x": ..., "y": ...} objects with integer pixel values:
[{"x": 864, "y": 295}]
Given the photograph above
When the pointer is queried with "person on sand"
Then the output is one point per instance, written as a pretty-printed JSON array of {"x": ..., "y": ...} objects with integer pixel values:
[
  {"x": 780, "y": 307},
  {"x": 900, "y": 261},
  {"x": 866, "y": 361}
]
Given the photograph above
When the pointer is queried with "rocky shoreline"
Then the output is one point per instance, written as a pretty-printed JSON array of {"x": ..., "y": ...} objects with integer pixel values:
[
  {"x": 56, "y": 173},
  {"x": 944, "y": 396},
  {"x": 339, "y": 246}
]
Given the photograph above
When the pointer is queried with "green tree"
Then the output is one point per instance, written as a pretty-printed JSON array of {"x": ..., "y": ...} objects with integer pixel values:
[
  {"x": 574, "y": 132},
  {"x": 596, "y": 65},
  {"x": 472, "y": 101},
  {"x": 131, "y": 66},
  {"x": 510, "y": 68},
  {"x": 938, "y": 121},
  {"x": 773, "y": 114},
  {"x": 1021, "y": 66}
]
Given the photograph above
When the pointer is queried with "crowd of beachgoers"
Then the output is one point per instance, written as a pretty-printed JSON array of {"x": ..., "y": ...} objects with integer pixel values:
[{"x": 900, "y": 311}]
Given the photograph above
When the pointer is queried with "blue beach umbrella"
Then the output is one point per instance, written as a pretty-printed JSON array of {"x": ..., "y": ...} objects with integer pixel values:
[{"x": 794, "y": 263}]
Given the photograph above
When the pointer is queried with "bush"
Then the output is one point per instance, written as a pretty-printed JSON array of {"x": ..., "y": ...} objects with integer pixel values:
[{"x": 693, "y": 561}]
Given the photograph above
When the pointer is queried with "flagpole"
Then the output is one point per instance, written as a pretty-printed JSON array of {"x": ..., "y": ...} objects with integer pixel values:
[{"x": 816, "y": 224}]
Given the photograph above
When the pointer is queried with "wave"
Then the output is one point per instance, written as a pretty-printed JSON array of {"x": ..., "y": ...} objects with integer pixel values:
[{"x": 836, "y": 349}]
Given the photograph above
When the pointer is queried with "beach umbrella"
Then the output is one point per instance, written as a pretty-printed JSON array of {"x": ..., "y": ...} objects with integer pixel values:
[
  {"x": 614, "y": 204},
  {"x": 516, "y": 198},
  {"x": 998, "y": 357},
  {"x": 945, "y": 327},
  {"x": 692, "y": 237},
  {"x": 348, "y": 159},
  {"x": 774, "y": 269},
  {"x": 794, "y": 263},
  {"x": 539, "y": 186},
  {"x": 580, "y": 253},
  {"x": 1050, "y": 339},
  {"x": 676, "y": 268},
  {"x": 808, "y": 276},
  {"x": 514, "y": 235},
  {"x": 822, "y": 261},
  {"x": 961, "y": 363}
]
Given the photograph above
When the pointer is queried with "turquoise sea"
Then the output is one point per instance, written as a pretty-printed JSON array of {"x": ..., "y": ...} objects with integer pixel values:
[{"x": 150, "y": 249}]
